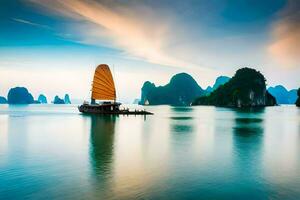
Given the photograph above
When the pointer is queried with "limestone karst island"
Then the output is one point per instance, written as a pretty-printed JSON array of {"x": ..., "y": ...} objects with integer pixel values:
[
  {"x": 247, "y": 88},
  {"x": 139, "y": 99}
]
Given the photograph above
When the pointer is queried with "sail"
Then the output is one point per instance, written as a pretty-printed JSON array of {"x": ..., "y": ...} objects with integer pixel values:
[{"x": 103, "y": 87}]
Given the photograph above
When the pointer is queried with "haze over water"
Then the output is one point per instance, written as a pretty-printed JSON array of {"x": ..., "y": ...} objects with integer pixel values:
[{"x": 178, "y": 153}]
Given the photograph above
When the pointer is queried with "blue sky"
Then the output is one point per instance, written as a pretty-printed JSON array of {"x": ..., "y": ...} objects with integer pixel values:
[{"x": 53, "y": 46}]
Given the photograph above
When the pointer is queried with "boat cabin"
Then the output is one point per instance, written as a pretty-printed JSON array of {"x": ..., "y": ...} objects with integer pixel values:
[{"x": 107, "y": 106}]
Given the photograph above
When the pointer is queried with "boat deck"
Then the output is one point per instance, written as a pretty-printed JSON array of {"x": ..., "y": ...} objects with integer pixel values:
[{"x": 99, "y": 109}]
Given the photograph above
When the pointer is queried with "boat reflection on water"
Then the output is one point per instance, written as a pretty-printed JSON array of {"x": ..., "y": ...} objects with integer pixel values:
[
  {"x": 102, "y": 135},
  {"x": 101, "y": 142}
]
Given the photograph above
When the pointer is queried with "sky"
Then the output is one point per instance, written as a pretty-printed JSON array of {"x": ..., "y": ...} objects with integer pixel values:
[{"x": 53, "y": 46}]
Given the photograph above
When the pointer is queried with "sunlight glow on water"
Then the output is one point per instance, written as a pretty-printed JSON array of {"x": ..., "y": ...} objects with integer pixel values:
[{"x": 178, "y": 153}]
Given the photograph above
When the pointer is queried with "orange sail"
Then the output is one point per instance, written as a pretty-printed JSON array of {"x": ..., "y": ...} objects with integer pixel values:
[{"x": 103, "y": 84}]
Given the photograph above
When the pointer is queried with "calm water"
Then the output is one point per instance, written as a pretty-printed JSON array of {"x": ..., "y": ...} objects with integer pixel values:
[{"x": 49, "y": 151}]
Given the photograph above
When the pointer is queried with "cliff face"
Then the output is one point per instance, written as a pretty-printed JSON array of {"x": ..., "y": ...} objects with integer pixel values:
[
  {"x": 181, "y": 90},
  {"x": 298, "y": 100},
  {"x": 247, "y": 88},
  {"x": 147, "y": 89},
  {"x": 19, "y": 95}
]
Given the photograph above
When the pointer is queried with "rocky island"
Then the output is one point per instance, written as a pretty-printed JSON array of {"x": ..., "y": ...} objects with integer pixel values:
[
  {"x": 3, "y": 100},
  {"x": 247, "y": 88},
  {"x": 181, "y": 90},
  {"x": 298, "y": 100},
  {"x": 19, "y": 95},
  {"x": 42, "y": 99},
  {"x": 67, "y": 99},
  {"x": 282, "y": 95},
  {"x": 58, "y": 100}
]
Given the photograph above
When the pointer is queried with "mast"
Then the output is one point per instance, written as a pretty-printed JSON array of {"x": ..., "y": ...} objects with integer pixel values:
[{"x": 115, "y": 90}]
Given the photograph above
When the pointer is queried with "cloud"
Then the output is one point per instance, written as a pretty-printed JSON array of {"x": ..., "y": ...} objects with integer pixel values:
[
  {"x": 139, "y": 31},
  {"x": 30, "y": 23},
  {"x": 285, "y": 48},
  {"x": 181, "y": 34}
]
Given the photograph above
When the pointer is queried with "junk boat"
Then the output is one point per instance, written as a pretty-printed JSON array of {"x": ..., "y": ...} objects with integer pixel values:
[{"x": 103, "y": 89}]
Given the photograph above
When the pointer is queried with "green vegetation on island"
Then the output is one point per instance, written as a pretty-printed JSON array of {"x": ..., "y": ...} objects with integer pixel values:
[
  {"x": 181, "y": 90},
  {"x": 247, "y": 88}
]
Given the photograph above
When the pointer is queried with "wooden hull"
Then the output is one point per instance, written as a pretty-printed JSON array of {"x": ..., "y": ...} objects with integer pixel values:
[{"x": 98, "y": 109}]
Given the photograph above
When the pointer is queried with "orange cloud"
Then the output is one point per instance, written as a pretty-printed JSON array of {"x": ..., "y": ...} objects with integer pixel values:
[
  {"x": 285, "y": 48},
  {"x": 116, "y": 26}
]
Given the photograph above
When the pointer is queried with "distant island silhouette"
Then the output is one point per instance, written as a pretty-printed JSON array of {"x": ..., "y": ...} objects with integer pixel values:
[
  {"x": 184, "y": 90},
  {"x": 282, "y": 95},
  {"x": 221, "y": 80},
  {"x": 67, "y": 99},
  {"x": 21, "y": 95},
  {"x": 3, "y": 100},
  {"x": 247, "y": 88},
  {"x": 42, "y": 99},
  {"x": 58, "y": 100},
  {"x": 181, "y": 90}
]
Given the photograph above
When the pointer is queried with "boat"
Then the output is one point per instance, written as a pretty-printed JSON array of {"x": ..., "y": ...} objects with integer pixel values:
[{"x": 104, "y": 91}]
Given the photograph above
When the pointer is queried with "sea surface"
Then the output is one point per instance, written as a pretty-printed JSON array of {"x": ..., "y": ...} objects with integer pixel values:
[{"x": 54, "y": 152}]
